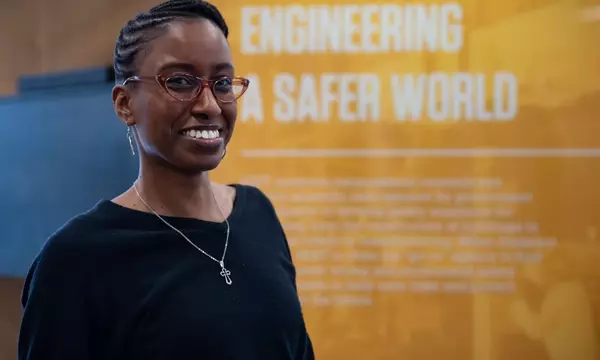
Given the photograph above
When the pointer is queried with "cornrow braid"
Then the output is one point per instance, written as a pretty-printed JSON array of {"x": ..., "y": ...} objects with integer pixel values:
[{"x": 137, "y": 32}]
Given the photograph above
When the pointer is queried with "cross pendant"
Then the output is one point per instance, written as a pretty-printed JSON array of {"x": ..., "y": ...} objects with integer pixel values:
[{"x": 225, "y": 273}]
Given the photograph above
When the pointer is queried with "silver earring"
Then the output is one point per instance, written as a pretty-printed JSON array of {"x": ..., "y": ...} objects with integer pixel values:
[
  {"x": 224, "y": 153},
  {"x": 130, "y": 138}
]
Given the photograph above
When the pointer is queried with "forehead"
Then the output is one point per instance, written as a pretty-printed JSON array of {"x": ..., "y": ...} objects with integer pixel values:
[{"x": 197, "y": 43}]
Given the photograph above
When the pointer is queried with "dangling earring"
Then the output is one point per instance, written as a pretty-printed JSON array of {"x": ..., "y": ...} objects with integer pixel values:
[
  {"x": 224, "y": 153},
  {"x": 130, "y": 138}
]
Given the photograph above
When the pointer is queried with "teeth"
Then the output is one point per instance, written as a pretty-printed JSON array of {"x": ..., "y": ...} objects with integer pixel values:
[{"x": 202, "y": 134}]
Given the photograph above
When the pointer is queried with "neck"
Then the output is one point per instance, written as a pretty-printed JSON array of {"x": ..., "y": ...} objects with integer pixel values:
[{"x": 172, "y": 193}]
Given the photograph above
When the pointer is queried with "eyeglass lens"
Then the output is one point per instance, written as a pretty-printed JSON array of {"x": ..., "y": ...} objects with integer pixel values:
[{"x": 188, "y": 87}]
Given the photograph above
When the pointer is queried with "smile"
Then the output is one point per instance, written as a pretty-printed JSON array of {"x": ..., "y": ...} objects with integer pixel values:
[{"x": 202, "y": 134}]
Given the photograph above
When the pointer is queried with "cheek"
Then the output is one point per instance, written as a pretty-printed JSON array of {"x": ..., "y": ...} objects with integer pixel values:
[
  {"x": 230, "y": 115},
  {"x": 155, "y": 116}
]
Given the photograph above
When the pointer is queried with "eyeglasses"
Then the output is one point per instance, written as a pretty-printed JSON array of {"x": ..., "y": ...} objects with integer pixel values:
[{"x": 185, "y": 87}]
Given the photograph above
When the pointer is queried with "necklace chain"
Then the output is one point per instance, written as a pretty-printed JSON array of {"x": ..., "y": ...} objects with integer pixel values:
[{"x": 225, "y": 273}]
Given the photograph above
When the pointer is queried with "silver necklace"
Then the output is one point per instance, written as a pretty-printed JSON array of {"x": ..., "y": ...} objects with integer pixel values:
[{"x": 224, "y": 272}]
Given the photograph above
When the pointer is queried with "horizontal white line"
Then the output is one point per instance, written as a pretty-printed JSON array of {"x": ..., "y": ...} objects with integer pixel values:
[{"x": 427, "y": 153}]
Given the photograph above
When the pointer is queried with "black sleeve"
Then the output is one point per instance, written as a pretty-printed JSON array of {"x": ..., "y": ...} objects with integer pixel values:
[
  {"x": 55, "y": 323},
  {"x": 307, "y": 351},
  {"x": 273, "y": 213}
]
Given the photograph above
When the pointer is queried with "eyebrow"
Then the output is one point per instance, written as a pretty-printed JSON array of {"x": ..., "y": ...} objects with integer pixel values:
[
  {"x": 176, "y": 65},
  {"x": 191, "y": 68},
  {"x": 224, "y": 66}
]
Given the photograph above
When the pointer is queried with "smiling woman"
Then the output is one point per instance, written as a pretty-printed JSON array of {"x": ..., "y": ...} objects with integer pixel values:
[{"x": 176, "y": 267}]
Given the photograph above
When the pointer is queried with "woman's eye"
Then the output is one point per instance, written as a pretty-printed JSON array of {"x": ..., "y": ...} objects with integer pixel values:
[
  {"x": 181, "y": 82},
  {"x": 223, "y": 85}
]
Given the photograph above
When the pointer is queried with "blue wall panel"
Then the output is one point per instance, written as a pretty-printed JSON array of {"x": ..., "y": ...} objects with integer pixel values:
[{"x": 60, "y": 153}]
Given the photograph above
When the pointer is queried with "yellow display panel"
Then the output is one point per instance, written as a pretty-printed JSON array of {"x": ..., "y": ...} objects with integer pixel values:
[{"x": 435, "y": 167}]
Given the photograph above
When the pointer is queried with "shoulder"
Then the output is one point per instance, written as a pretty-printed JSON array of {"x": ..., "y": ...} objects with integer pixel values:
[
  {"x": 66, "y": 255},
  {"x": 74, "y": 237},
  {"x": 67, "y": 241},
  {"x": 254, "y": 199},
  {"x": 259, "y": 208}
]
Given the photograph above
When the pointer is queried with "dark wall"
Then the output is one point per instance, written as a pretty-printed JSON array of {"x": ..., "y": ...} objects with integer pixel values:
[{"x": 61, "y": 152}]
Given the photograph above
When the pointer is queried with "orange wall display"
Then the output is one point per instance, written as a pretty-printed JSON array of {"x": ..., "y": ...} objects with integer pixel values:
[{"x": 434, "y": 165}]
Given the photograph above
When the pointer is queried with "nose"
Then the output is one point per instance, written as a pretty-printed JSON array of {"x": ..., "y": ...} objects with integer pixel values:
[{"x": 206, "y": 105}]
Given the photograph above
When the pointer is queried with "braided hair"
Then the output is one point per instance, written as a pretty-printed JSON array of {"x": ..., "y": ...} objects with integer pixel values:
[{"x": 146, "y": 26}]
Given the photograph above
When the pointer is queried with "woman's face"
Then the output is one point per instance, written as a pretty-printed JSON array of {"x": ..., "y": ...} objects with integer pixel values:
[{"x": 163, "y": 124}]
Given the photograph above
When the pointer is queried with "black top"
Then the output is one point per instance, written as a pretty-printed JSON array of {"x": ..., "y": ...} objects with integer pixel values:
[{"x": 116, "y": 283}]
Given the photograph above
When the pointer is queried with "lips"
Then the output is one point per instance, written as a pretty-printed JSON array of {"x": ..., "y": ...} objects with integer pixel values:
[
  {"x": 202, "y": 134},
  {"x": 207, "y": 137}
]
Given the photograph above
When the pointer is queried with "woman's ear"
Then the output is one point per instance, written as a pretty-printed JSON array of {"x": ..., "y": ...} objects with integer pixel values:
[{"x": 122, "y": 104}]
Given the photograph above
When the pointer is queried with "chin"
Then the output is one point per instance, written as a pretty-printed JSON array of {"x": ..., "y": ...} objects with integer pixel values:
[
  {"x": 190, "y": 160},
  {"x": 197, "y": 167}
]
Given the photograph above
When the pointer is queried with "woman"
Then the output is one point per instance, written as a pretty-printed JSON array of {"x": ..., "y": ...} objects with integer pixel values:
[{"x": 176, "y": 267}]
